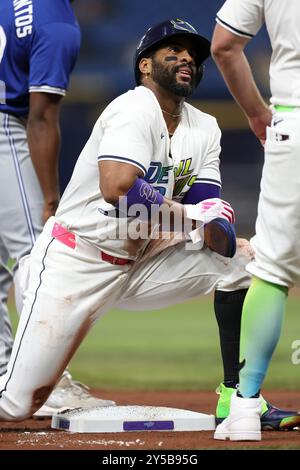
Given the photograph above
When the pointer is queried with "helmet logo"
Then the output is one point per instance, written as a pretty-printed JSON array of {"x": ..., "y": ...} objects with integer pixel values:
[{"x": 183, "y": 26}]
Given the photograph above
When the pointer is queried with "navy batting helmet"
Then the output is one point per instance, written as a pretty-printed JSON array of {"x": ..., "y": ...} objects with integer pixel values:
[{"x": 158, "y": 33}]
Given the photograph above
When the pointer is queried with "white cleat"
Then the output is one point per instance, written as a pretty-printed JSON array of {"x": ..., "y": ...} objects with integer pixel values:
[
  {"x": 67, "y": 395},
  {"x": 243, "y": 422}
]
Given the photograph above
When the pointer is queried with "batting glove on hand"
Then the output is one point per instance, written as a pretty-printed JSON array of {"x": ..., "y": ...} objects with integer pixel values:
[
  {"x": 210, "y": 209},
  {"x": 216, "y": 228}
]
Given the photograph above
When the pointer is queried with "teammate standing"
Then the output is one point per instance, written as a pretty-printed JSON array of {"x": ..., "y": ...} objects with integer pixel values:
[
  {"x": 277, "y": 241},
  {"x": 148, "y": 151},
  {"x": 39, "y": 44}
]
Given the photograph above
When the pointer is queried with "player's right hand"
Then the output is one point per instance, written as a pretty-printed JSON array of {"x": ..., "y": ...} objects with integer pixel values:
[
  {"x": 258, "y": 124},
  {"x": 49, "y": 209}
]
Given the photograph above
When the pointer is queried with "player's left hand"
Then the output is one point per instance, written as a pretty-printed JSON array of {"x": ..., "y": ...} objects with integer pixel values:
[
  {"x": 216, "y": 229},
  {"x": 210, "y": 209},
  {"x": 216, "y": 207}
]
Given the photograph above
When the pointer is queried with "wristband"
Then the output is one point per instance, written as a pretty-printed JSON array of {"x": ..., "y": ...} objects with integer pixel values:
[{"x": 141, "y": 198}]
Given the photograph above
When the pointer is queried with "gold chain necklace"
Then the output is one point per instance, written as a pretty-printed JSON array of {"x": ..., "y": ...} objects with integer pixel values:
[{"x": 170, "y": 114}]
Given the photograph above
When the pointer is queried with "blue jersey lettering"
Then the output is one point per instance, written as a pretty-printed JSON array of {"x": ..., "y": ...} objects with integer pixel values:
[{"x": 23, "y": 17}]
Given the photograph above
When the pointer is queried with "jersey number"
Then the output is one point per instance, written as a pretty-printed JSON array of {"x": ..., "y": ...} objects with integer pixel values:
[{"x": 2, "y": 48}]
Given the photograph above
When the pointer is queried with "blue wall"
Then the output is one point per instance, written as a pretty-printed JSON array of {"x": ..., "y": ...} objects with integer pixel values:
[{"x": 111, "y": 30}]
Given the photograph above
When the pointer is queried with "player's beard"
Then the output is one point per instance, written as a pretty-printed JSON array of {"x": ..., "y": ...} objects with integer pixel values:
[{"x": 166, "y": 78}]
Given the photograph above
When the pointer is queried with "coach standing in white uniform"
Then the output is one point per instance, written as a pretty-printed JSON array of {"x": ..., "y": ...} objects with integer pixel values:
[{"x": 277, "y": 241}]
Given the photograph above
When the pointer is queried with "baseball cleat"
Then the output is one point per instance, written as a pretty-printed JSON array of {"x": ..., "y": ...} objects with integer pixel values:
[
  {"x": 69, "y": 394},
  {"x": 243, "y": 422},
  {"x": 271, "y": 418}
]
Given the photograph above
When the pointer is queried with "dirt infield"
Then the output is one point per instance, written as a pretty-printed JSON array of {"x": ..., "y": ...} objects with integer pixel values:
[{"x": 37, "y": 435}]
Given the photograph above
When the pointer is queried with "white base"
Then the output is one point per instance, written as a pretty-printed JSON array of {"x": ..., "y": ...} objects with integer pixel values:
[{"x": 132, "y": 418}]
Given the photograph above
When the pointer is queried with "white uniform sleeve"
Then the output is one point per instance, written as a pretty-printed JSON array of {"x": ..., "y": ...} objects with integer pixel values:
[
  {"x": 210, "y": 168},
  {"x": 126, "y": 138},
  {"x": 242, "y": 17}
]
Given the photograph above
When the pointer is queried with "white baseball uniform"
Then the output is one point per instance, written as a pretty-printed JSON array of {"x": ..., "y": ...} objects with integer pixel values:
[
  {"x": 277, "y": 240},
  {"x": 79, "y": 268}
]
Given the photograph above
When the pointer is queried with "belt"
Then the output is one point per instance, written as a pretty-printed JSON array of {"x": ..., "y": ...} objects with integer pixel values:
[
  {"x": 62, "y": 235},
  {"x": 285, "y": 109}
]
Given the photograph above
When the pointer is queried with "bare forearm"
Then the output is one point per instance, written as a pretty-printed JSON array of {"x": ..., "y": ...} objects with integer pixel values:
[
  {"x": 44, "y": 145},
  {"x": 228, "y": 53},
  {"x": 173, "y": 217},
  {"x": 239, "y": 79},
  {"x": 129, "y": 189}
]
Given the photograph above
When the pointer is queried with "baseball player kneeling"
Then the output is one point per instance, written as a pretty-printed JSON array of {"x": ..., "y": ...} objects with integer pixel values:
[{"x": 150, "y": 167}]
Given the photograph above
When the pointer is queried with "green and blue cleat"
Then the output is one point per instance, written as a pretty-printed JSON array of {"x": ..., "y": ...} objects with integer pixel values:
[{"x": 272, "y": 418}]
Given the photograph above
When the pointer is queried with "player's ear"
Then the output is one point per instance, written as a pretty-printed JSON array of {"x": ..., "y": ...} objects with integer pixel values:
[{"x": 145, "y": 66}]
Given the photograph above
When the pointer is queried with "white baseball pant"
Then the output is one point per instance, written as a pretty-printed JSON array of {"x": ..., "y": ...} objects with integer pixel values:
[
  {"x": 69, "y": 289},
  {"x": 21, "y": 214},
  {"x": 277, "y": 240}
]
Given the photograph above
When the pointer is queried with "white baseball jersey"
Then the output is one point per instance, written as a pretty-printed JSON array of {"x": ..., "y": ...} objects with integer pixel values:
[
  {"x": 132, "y": 130},
  {"x": 282, "y": 19}
]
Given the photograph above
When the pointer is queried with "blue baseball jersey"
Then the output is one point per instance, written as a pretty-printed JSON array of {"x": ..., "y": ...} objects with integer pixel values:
[{"x": 39, "y": 44}]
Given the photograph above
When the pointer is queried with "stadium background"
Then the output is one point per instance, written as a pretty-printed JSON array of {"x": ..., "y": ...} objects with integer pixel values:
[{"x": 176, "y": 348}]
